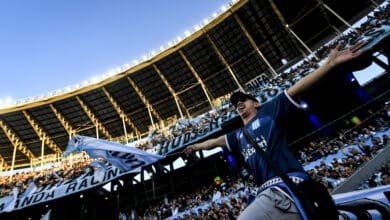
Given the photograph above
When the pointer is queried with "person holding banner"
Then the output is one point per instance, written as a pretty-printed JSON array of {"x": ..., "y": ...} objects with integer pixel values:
[{"x": 266, "y": 124}]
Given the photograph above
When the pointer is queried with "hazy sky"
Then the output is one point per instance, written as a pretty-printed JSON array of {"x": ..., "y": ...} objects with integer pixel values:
[{"x": 51, "y": 44}]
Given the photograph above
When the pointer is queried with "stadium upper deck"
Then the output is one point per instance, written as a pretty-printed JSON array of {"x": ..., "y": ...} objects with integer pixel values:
[{"x": 186, "y": 79}]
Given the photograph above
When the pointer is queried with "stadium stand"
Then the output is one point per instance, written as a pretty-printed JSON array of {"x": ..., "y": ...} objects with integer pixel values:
[{"x": 329, "y": 156}]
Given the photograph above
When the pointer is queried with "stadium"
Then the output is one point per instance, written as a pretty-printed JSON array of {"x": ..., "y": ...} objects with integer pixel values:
[{"x": 153, "y": 109}]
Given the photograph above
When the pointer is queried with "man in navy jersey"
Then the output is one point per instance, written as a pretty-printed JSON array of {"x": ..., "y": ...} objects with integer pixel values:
[{"x": 267, "y": 126}]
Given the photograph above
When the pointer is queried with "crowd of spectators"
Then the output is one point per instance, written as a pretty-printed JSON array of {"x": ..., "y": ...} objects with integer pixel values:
[
  {"x": 380, "y": 178},
  {"x": 236, "y": 193},
  {"x": 223, "y": 199},
  {"x": 64, "y": 170},
  {"x": 375, "y": 19}
]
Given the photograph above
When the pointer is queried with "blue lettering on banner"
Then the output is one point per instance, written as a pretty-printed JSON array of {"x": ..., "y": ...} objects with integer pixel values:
[
  {"x": 83, "y": 184},
  {"x": 71, "y": 187},
  {"x": 27, "y": 200}
]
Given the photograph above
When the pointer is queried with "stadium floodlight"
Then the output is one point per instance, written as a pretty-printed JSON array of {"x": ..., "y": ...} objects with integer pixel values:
[
  {"x": 162, "y": 48},
  {"x": 224, "y": 8},
  {"x": 8, "y": 100},
  {"x": 197, "y": 27},
  {"x": 111, "y": 72},
  {"x": 205, "y": 21},
  {"x": 95, "y": 79},
  {"x": 187, "y": 33},
  {"x": 215, "y": 14},
  {"x": 179, "y": 38}
]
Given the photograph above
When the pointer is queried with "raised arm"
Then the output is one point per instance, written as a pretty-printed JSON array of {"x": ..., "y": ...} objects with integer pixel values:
[
  {"x": 336, "y": 57},
  {"x": 206, "y": 145}
]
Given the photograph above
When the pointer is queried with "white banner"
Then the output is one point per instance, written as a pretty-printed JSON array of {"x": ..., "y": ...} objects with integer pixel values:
[
  {"x": 124, "y": 160},
  {"x": 61, "y": 189}
]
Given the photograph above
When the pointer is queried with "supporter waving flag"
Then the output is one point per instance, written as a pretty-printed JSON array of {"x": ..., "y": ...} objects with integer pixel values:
[
  {"x": 32, "y": 187},
  {"x": 11, "y": 200},
  {"x": 124, "y": 157},
  {"x": 100, "y": 169}
]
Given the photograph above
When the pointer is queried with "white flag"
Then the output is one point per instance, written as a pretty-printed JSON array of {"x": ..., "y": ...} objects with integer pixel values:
[
  {"x": 100, "y": 170},
  {"x": 30, "y": 189},
  {"x": 10, "y": 204},
  {"x": 121, "y": 156}
]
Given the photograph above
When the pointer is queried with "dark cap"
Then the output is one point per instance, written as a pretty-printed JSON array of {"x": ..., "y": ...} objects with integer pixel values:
[{"x": 237, "y": 95}]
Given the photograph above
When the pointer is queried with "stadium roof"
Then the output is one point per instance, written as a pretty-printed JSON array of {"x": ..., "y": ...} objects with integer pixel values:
[{"x": 243, "y": 42}]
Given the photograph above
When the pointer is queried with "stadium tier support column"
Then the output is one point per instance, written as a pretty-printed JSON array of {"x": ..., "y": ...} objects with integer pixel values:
[
  {"x": 334, "y": 13},
  {"x": 193, "y": 71},
  {"x": 225, "y": 62},
  {"x": 374, "y": 3},
  {"x": 179, "y": 103},
  {"x": 178, "y": 106},
  {"x": 285, "y": 24},
  {"x": 120, "y": 112},
  {"x": 145, "y": 101},
  {"x": 42, "y": 150},
  {"x": 94, "y": 119},
  {"x": 253, "y": 43},
  {"x": 124, "y": 128},
  {"x": 300, "y": 41},
  {"x": 13, "y": 163},
  {"x": 151, "y": 117},
  {"x": 68, "y": 128},
  {"x": 338, "y": 32},
  {"x": 3, "y": 164}
]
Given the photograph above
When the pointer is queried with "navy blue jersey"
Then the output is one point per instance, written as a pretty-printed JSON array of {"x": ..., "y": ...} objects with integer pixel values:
[{"x": 268, "y": 129}]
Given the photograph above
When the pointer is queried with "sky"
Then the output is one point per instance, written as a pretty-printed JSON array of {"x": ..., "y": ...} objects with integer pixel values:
[{"x": 51, "y": 44}]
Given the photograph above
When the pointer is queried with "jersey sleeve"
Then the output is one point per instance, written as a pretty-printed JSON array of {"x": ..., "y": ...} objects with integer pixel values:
[
  {"x": 280, "y": 107},
  {"x": 231, "y": 141}
]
